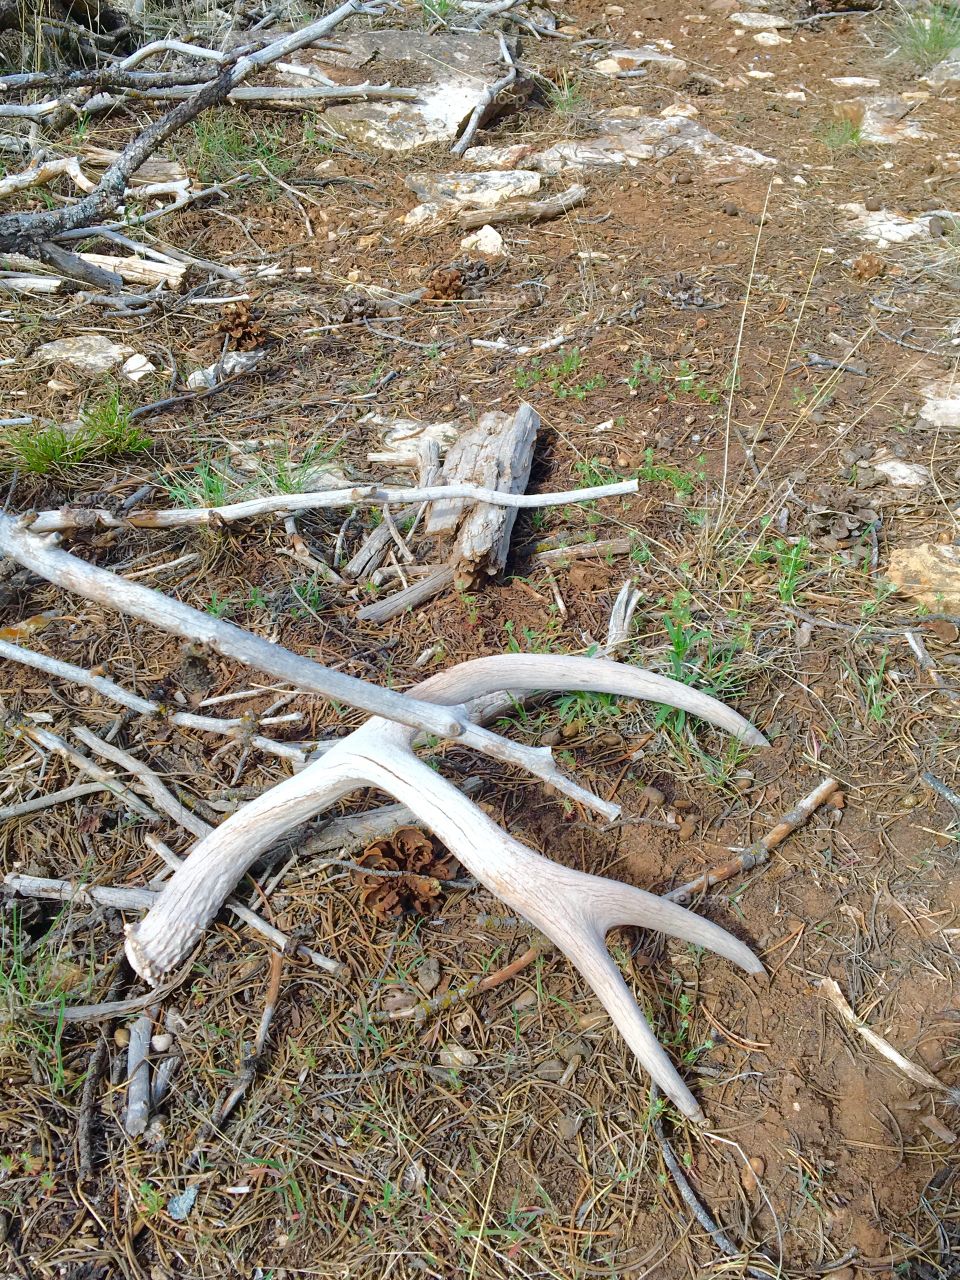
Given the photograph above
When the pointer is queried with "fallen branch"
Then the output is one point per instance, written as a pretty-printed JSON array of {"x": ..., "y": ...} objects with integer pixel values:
[
  {"x": 830, "y": 990},
  {"x": 758, "y": 853},
  {"x": 486, "y": 102},
  {"x": 525, "y": 210},
  {"x": 286, "y": 504},
  {"x": 424, "y": 1009}
]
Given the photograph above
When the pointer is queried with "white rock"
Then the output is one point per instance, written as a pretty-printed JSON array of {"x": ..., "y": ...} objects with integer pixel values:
[
  {"x": 759, "y": 21},
  {"x": 685, "y": 110},
  {"x": 754, "y": 74},
  {"x": 401, "y": 441},
  {"x": 90, "y": 352},
  {"x": 795, "y": 95},
  {"x": 619, "y": 60},
  {"x": 487, "y": 240},
  {"x": 626, "y": 138},
  {"x": 886, "y": 121},
  {"x": 855, "y": 82},
  {"x": 770, "y": 38},
  {"x": 451, "y": 74},
  {"x": 883, "y": 228},
  {"x": 942, "y": 407},
  {"x": 902, "y": 475},
  {"x": 233, "y": 362},
  {"x": 161, "y": 1043},
  {"x": 137, "y": 367},
  {"x": 442, "y": 193},
  {"x": 946, "y": 72}
]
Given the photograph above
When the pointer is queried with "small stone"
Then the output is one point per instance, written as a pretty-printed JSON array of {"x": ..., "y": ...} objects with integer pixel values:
[
  {"x": 872, "y": 204},
  {"x": 936, "y": 227},
  {"x": 688, "y": 828},
  {"x": 730, "y": 209},
  {"x": 681, "y": 110},
  {"x": 455, "y": 1055},
  {"x": 551, "y": 737},
  {"x": 552, "y": 1069},
  {"x": 948, "y": 632},
  {"x": 928, "y": 573},
  {"x": 568, "y": 1127},
  {"x": 428, "y": 974},
  {"x": 487, "y": 241},
  {"x": 754, "y": 1169},
  {"x": 758, "y": 21},
  {"x": 770, "y": 38},
  {"x": 575, "y": 1049},
  {"x": 161, "y": 1043},
  {"x": 91, "y": 353},
  {"x": 653, "y": 796},
  {"x": 121, "y": 1037}
]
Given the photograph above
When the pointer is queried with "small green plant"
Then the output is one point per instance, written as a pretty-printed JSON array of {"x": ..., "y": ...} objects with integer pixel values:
[
  {"x": 436, "y": 10},
  {"x": 204, "y": 485},
  {"x": 695, "y": 657},
  {"x": 591, "y": 473},
  {"x": 220, "y": 607},
  {"x": 876, "y": 699},
  {"x": 565, "y": 96},
  {"x": 927, "y": 34},
  {"x": 221, "y": 143},
  {"x": 104, "y": 431},
  {"x": 592, "y": 710},
  {"x": 662, "y": 473},
  {"x": 840, "y": 135}
]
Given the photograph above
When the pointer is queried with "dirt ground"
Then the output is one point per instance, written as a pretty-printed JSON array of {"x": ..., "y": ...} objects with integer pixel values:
[{"x": 513, "y": 1134}]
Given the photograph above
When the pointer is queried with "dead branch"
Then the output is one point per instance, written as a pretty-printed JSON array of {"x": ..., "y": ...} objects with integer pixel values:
[{"x": 285, "y": 504}]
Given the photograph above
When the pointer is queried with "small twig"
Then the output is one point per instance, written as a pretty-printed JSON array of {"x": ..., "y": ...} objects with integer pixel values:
[
  {"x": 927, "y": 664},
  {"x": 55, "y": 797},
  {"x": 941, "y": 789},
  {"x": 424, "y": 1009},
  {"x": 526, "y": 210},
  {"x": 52, "y": 742},
  {"x": 88, "y": 1101},
  {"x": 486, "y": 101},
  {"x": 290, "y": 503},
  {"x": 758, "y": 852},
  {"x": 687, "y": 1193}
]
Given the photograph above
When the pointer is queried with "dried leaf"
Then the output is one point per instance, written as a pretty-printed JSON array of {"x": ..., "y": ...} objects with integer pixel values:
[{"x": 454, "y": 1055}]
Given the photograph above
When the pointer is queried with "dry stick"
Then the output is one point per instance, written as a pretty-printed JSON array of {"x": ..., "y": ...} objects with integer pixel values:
[
  {"x": 368, "y": 495},
  {"x": 88, "y": 1100},
  {"x": 424, "y": 1009},
  {"x": 129, "y": 898},
  {"x": 831, "y": 991},
  {"x": 33, "y": 231},
  {"x": 233, "y": 642},
  {"x": 941, "y": 789},
  {"x": 687, "y": 1193},
  {"x": 55, "y": 797},
  {"x": 106, "y": 687},
  {"x": 234, "y": 1097},
  {"x": 526, "y": 210},
  {"x": 52, "y": 742},
  {"x": 161, "y": 795},
  {"x": 138, "y": 1074},
  {"x": 758, "y": 853},
  {"x": 486, "y": 101},
  {"x": 153, "y": 607}
]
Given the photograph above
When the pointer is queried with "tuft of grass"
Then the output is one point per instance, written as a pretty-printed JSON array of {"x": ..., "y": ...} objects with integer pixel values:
[
  {"x": 202, "y": 486},
  {"x": 926, "y": 35},
  {"x": 436, "y": 11},
  {"x": 839, "y": 135},
  {"x": 223, "y": 142},
  {"x": 565, "y": 97},
  {"x": 104, "y": 431}
]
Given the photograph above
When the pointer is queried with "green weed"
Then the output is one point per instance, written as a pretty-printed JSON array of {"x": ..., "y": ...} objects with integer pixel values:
[
  {"x": 839, "y": 135},
  {"x": 927, "y": 34},
  {"x": 565, "y": 96},
  {"x": 663, "y": 473},
  {"x": 104, "y": 431},
  {"x": 202, "y": 486}
]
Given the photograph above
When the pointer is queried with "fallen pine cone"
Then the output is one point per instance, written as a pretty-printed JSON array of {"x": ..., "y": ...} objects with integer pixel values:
[
  {"x": 239, "y": 322},
  {"x": 418, "y": 890},
  {"x": 444, "y": 285}
]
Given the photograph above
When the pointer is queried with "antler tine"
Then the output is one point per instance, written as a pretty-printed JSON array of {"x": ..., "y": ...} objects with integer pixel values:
[
  {"x": 528, "y": 673},
  {"x": 573, "y": 909}
]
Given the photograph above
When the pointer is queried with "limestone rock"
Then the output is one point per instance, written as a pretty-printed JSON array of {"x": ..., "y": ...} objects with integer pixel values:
[
  {"x": 487, "y": 241},
  {"x": 942, "y": 407},
  {"x": 92, "y": 353},
  {"x": 759, "y": 21},
  {"x": 625, "y": 139},
  {"x": 883, "y": 228},
  {"x": 928, "y": 573},
  {"x": 443, "y": 193},
  {"x": 451, "y": 73},
  {"x": 619, "y": 60},
  {"x": 947, "y": 72}
]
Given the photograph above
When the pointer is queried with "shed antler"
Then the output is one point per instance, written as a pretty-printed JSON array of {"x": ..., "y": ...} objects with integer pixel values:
[{"x": 574, "y": 910}]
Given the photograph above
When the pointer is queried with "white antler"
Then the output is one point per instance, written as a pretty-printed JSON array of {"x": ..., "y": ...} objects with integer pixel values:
[{"x": 573, "y": 909}]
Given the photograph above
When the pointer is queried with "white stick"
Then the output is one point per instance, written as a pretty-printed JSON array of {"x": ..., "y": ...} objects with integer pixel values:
[{"x": 286, "y": 504}]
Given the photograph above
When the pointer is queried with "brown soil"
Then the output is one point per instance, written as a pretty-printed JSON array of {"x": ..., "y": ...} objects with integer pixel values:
[{"x": 355, "y": 1152}]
